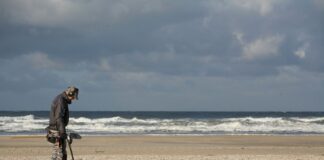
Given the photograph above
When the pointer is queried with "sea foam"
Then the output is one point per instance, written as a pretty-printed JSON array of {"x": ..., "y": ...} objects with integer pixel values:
[{"x": 119, "y": 125}]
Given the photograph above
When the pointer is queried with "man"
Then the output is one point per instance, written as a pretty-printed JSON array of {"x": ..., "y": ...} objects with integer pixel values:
[{"x": 59, "y": 119}]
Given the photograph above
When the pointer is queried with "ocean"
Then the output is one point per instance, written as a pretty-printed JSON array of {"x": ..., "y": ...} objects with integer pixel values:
[{"x": 168, "y": 123}]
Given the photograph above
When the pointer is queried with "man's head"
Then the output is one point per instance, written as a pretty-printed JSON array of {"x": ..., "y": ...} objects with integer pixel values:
[{"x": 72, "y": 92}]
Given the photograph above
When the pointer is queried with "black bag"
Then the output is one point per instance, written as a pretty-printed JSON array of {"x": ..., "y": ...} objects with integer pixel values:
[{"x": 50, "y": 137}]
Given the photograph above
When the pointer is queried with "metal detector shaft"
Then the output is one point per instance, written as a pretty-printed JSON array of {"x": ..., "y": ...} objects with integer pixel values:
[
  {"x": 69, "y": 140},
  {"x": 70, "y": 149}
]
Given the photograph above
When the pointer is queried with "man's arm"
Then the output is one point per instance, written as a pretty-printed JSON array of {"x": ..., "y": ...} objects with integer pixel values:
[{"x": 59, "y": 115}]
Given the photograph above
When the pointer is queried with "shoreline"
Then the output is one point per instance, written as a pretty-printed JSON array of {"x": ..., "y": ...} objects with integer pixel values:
[
  {"x": 167, "y": 135},
  {"x": 141, "y": 147}
]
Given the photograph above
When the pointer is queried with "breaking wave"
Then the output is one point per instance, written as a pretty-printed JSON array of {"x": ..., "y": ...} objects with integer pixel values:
[{"x": 214, "y": 126}]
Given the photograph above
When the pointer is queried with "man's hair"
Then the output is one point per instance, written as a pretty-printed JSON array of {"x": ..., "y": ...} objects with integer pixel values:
[{"x": 72, "y": 91}]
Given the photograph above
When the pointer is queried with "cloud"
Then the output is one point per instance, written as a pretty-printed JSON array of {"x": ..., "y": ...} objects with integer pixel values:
[
  {"x": 263, "y": 8},
  {"x": 32, "y": 61},
  {"x": 301, "y": 52},
  {"x": 104, "y": 64},
  {"x": 78, "y": 15},
  {"x": 36, "y": 12},
  {"x": 29, "y": 72},
  {"x": 164, "y": 48},
  {"x": 40, "y": 60},
  {"x": 239, "y": 37},
  {"x": 262, "y": 48},
  {"x": 319, "y": 4}
]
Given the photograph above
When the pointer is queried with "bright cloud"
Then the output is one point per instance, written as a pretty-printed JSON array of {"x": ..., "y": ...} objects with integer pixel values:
[
  {"x": 262, "y": 48},
  {"x": 301, "y": 52},
  {"x": 262, "y": 7}
]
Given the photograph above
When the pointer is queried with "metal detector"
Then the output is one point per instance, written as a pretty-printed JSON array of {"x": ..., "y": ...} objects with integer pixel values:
[{"x": 69, "y": 140}]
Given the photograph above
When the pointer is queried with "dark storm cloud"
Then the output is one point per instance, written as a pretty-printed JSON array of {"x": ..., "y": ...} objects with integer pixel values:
[
  {"x": 192, "y": 30},
  {"x": 161, "y": 46}
]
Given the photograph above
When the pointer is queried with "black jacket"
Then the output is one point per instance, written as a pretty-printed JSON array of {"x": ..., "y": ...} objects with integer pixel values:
[{"x": 59, "y": 115}]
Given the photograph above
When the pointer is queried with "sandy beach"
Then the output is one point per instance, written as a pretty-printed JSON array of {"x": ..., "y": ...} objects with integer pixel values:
[{"x": 171, "y": 148}]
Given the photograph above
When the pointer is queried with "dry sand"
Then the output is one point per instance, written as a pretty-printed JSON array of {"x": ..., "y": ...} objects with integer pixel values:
[{"x": 171, "y": 148}]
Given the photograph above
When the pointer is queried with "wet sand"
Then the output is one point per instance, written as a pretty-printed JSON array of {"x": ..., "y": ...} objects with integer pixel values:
[{"x": 170, "y": 148}]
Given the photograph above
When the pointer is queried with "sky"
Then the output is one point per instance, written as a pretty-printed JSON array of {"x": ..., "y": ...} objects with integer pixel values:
[{"x": 163, "y": 55}]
